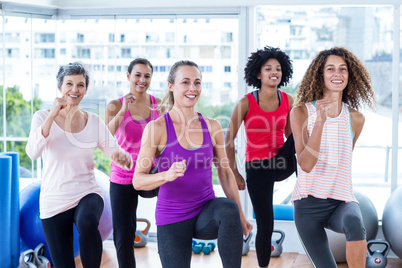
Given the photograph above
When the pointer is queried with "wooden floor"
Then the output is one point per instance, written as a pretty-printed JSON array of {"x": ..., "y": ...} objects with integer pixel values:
[{"x": 148, "y": 257}]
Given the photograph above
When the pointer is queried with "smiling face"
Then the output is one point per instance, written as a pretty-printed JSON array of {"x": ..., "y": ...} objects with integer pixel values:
[
  {"x": 73, "y": 88},
  {"x": 140, "y": 78},
  {"x": 270, "y": 73},
  {"x": 336, "y": 74},
  {"x": 187, "y": 86}
]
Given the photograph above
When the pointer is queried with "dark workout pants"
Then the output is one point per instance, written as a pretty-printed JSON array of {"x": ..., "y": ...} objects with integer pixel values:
[
  {"x": 59, "y": 233},
  {"x": 219, "y": 219}
]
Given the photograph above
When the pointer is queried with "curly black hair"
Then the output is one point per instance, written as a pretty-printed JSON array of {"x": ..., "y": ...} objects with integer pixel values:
[{"x": 261, "y": 56}]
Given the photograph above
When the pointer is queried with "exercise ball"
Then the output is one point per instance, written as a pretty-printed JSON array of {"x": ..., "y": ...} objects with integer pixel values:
[
  {"x": 337, "y": 241},
  {"x": 31, "y": 226},
  {"x": 105, "y": 222},
  {"x": 392, "y": 221}
]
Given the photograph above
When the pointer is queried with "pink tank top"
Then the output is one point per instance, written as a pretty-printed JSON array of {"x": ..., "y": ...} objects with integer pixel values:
[
  {"x": 265, "y": 130},
  {"x": 331, "y": 177},
  {"x": 128, "y": 136}
]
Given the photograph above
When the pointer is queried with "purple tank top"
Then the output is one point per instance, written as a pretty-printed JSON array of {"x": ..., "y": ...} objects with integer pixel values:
[
  {"x": 128, "y": 136},
  {"x": 185, "y": 197}
]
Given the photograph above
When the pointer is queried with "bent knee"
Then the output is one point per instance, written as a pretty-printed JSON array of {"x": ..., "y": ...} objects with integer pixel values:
[
  {"x": 353, "y": 227},
  {"x": 228, "y": 207}
]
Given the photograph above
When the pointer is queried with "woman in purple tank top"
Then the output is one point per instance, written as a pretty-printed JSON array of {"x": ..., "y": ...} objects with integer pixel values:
[
  {"x": 126, "y": 118},
  {"x": 185, "y": 144}
]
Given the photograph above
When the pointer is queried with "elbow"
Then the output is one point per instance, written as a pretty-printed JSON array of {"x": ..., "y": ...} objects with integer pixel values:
[
  {"x": 136, "y": 185},
  {"x": 305, "y": 166},
  {"x": 136, "y": 182},
  {"x": 30, "y": 154}
]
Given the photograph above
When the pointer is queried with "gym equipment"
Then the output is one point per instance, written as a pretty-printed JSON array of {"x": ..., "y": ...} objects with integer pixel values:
[
  {"x": 141, "y": 237},
  {"x": 14, "y": 195},
  {"x": 31, "y": 226},
  {"x": 106, "y": 221},
  {"x": 41, "y": 261},
  {"x": 208, "y": 248},
  {"x": 194, "y": 243},
  {"x": 276, "y": 244},
  {"x": 283, "y": 212},
  {"x": 337, "y": 241},
  {"x": 5, "y": 209},
  {"x": 392, "y": 221},
  {"x": 198, "y": 247},
  {"x": 246, "y": 244},
  {"x": 27, "y": 259},
  {"x": 377, "y": 258}
]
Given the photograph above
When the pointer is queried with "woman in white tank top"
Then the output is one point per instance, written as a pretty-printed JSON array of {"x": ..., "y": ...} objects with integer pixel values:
[{"x": 326, "y": 124}]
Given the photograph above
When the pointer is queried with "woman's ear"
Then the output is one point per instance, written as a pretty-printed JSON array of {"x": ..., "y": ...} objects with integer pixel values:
[
  {"x": 128, "y": 76},
  {"x": 259, "y": 76},
  {"x": 170, "y": 86}
]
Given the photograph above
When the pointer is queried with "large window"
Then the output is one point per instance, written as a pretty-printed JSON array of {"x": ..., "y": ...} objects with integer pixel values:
[
  {"x": 35, "y": 48},
  {"x": 367, "y": 31},
  {"x": 32, "y": 47}
]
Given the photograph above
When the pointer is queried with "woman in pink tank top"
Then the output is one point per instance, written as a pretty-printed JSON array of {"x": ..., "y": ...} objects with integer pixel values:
[
  {"x": 265, "y": 115},
  {"x": 326, "y": 124},
  {"x": 185, "y": 145},
  {"x": 126, "y": 118}
]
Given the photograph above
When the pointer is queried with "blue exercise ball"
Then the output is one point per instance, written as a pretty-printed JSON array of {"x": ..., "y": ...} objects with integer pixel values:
[
  {"x": 392, "y": 221},
  {"x": 31, "y": 230},
  {"x": 31, "y": 226}
]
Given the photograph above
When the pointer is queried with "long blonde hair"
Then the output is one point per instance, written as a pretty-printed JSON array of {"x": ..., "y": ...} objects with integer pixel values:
[{"x": 168, "y": 100}]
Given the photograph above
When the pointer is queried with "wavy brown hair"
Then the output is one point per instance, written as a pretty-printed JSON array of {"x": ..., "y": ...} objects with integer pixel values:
[{"x": 357, "y": 91}]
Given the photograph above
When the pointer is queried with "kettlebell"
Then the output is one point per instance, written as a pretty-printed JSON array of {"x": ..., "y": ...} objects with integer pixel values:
[
  {"x": 377, "y": 258},
  {"x": 276, "y": 244},
  {"x": 141, "y": 236},
  {"x": 208, "y": 248},
  {"x": 27, "y": 259},
  {"x": 40, "y": 256},
  {"x": 198, "y": 247},
  {"x": 246, "y": 244}
]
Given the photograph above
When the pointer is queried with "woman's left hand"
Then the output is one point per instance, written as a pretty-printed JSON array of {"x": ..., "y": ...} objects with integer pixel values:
[
  {"x": 246, "y": 226},
  {"x": 123, "y": 160}
]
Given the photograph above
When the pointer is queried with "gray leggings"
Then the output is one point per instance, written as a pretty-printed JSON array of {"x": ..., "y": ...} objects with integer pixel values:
[
  {"x": 219, "y": 219},
  {"x": 312, "y": 215}
]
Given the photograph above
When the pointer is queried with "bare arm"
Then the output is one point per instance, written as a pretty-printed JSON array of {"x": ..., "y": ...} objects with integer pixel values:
[
  {"x": 225, "y": 174},
  {"x": 152, "y": 143},
  {"x": 288, "y": 128},
  {"x": 357, "y": 122},
  {"x": 236, "y": 120},
  {"x": 116, "y": 110},
  {"x": 307, "y": 148}
]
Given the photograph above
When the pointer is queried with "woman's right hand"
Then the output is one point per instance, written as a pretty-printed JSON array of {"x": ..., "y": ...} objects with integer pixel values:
[
  {"x": 176, "y": 170},
  {"x": 322, "y": 107},
  {"x": 58, "y": 105},
  {"x": 241, "y": 184},
  {"x": 127, "y": 99}
]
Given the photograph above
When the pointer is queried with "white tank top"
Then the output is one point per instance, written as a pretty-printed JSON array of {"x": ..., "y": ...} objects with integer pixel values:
[{"x": 331, "y": 177}]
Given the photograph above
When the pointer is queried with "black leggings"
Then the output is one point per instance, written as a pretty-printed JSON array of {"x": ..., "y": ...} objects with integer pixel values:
[
  {"x": 261, "y": 176},
  {"x": 312, "y": 215},
  {"x": 260, "y": 186},
  {"x": 59, "y": 233},
  {"x": 124, "y": 201},
  {"x": 220, "y": 219}
]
